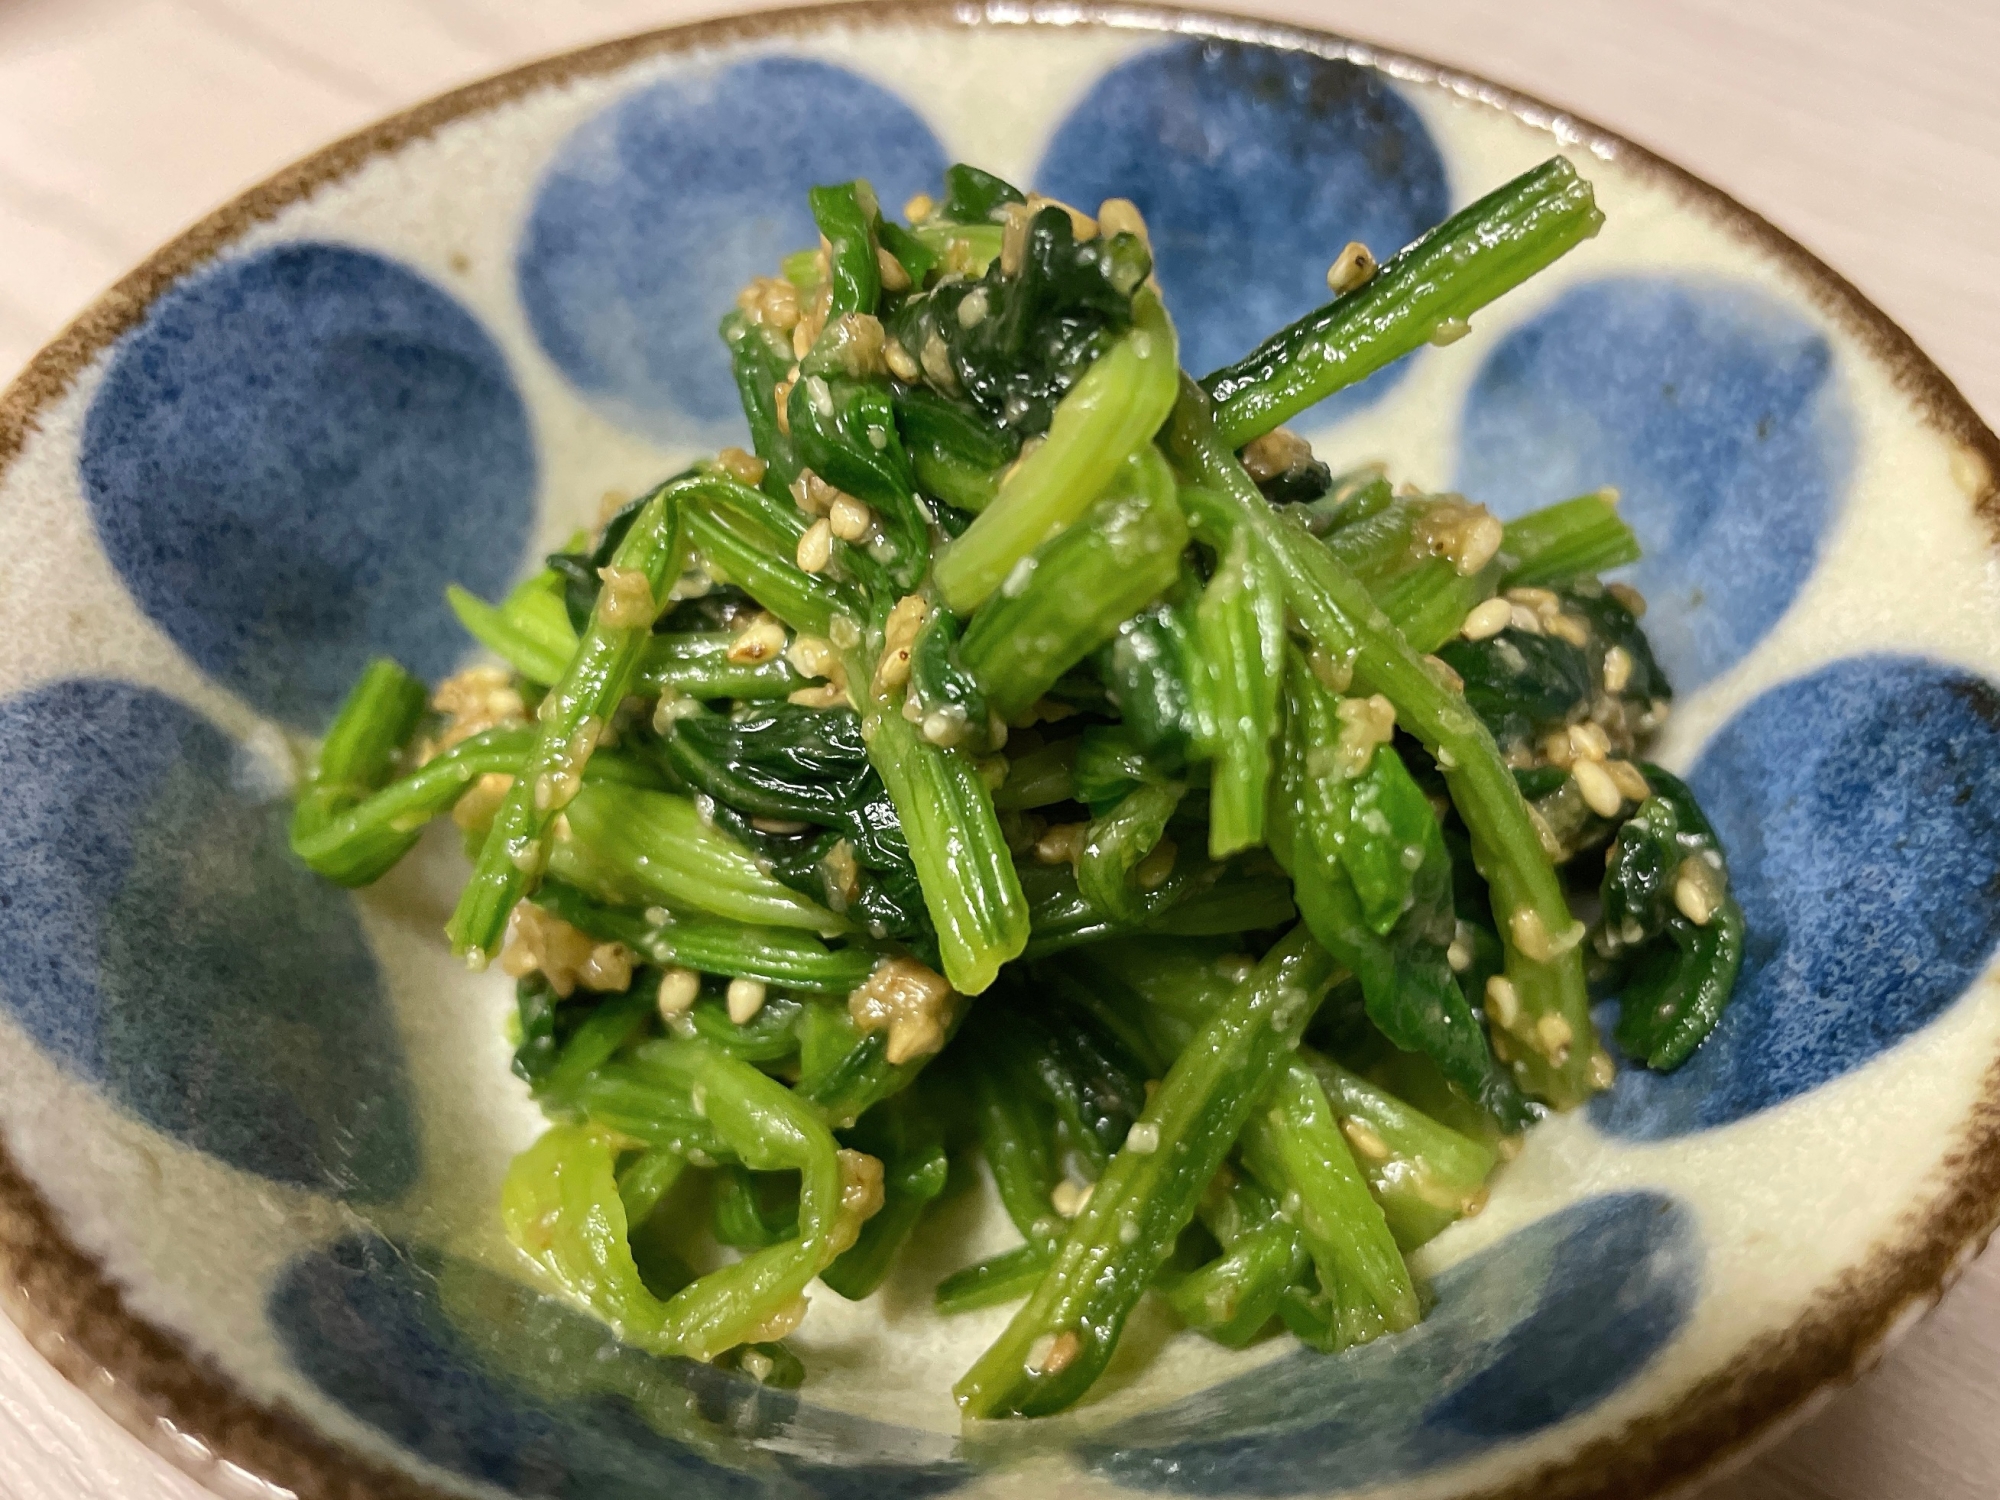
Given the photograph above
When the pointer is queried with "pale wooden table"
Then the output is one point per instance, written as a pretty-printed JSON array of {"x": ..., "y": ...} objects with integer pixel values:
[{"x": 1874, "y": 138}]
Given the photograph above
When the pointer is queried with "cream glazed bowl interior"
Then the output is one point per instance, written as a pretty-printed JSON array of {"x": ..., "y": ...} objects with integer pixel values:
[{"x": 254, "y": 1125}]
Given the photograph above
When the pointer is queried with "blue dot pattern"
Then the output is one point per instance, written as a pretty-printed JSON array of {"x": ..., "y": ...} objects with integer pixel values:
[
  {"x": 1525, "y": 1334},
  {"x": 657, "y": 211},
  {"x": 1714, "y": 409},
  {"x": 1253, "y": 166},
  {"x": 1860, "y": 810},
  {"x": 292, "y": 456},
  {"x": 476, "y": 1374},
  {"x": 159, "y": 939}
]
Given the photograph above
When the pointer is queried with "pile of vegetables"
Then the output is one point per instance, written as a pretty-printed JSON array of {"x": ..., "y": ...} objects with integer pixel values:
[{"x": 1031, "y": 753}]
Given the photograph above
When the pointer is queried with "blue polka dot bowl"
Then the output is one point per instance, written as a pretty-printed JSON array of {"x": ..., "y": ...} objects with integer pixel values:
[{"x": 254, "y": 1126}]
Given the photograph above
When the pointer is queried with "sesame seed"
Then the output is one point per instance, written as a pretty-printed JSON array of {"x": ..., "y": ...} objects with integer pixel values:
[
  {"x": 626, "y": 601},
  {"x": 1122, "y": 216},
  {"x": 1364, "y": 1140},
  {"x": 1530, "y": 934},
  {"x": 902, "y": 364},
  {"x": 972, "y": 310},
  {"x": 1602, "y": 1070},
  {"x": 919, "y": 208},
  {"x": 759, "y": 641},
  {"x": 815, "y": 549},
  {"x": 1487, "y": 619},
  {"x": 1630, "y": 779},
  {"x": 1617, "y": 669},
  {"x": 1152, "y": 871},
  {"x": 1554, "y": 1035},
  {"x": 1695, "y": 892},
  {"x": 1143, "y": 1139},
  {"x": 1523, "y": 619},
  {"x": 1352, "y": 269},
  {"x": 910, "y": 1001},
  {"x": 746, "y": 998},
  {"x": 945, "y": 726},
  {"x": 935, "y": 357},
  {"x": 1631, "y": 598},
  {"x": 894, "y": 277},
  {"x": 1589, "y": 742},
  {"x": 1061, "y": 844},
  {"x": 1449, "y": 331},
  {"x": 1279, "y": 451},
  {"x": 744, "y": 468},
  {"x": 1128, "y": 1231},
  {"x": 850, "y": 518},
  {"x": 1503, "y": 1002},
  {"x": 1600, "y": 792},
  {"x": 679, "y": 989},
  {"x": 1568, "y": 628},
  {"x": 1068, "y": 1198}
]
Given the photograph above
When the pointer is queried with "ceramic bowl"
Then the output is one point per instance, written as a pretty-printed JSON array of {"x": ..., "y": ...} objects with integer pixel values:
[{"x": 254, "y": 1125}]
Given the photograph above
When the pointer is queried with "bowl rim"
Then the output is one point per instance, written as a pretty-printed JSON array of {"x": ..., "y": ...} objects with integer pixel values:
[{"x": 187, "y": 1409}]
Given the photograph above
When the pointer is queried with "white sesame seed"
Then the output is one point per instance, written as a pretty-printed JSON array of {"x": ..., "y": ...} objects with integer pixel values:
[
  {"x": 1565, "y": 627},
  {"x": 1554, "y": 1034},
  {"x": 849, "y": 518},
  {"x": 1143, "y": 1139},
  {"x": 1617, "y": 669},
  {"x": 1128, "y": 1231},
  {"x": 746, "y": 998},
  {"x": 1068, "y": 1198},
  {"x": 678, "y": 991},
  {"x": 972, "y": 310},
  {"x": 1631, "y": 780},
  {"x": 1449, "y": 331},
  {"x": 1364, "y": 1140},
  {"x": 1602, "y": 1069},
  {"x": 1487, "y": 619},
  {"x": 1353, "y": 268},
  {"x": 815, "y": 549},
  {"x": 1503, "y": 1002},
  {"x": 1693, "y": 895},
  {"x": 1631, "y": 598},
  {"x": 1600, "y": 792}
]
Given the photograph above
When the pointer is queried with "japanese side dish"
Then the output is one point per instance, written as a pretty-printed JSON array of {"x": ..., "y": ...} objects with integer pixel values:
[{"x": 1025, "y": 753}]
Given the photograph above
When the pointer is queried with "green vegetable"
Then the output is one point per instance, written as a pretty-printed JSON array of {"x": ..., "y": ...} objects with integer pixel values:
[
  {"x": 571, "y": 720},
  {"x": 846, "y": 216},
  {"x": 696, "y": 664},
  {"x": 633, "y": 847},
  {"x": 379, "y": 716},
  {"x": 970, "y": 888},
  {"x": 1062, "y": 1337},
  {"x": 1561, "y": 543},
  {"x": 1426, "y": 290},
  {"x": 562, "y": 1209},
  {"x": 1296, "y": 1148},
  {"x": 1073, "y": 591},
  {"x": 1666, "y": 870},
  {"x": 1117, "y": 404},
  {"x": 1240, "y": 634},
  {"x": 1544, "y": 966}
]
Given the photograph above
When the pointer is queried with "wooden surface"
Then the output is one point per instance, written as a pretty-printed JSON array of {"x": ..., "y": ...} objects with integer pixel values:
[{"x": 1870, "y": 131}]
